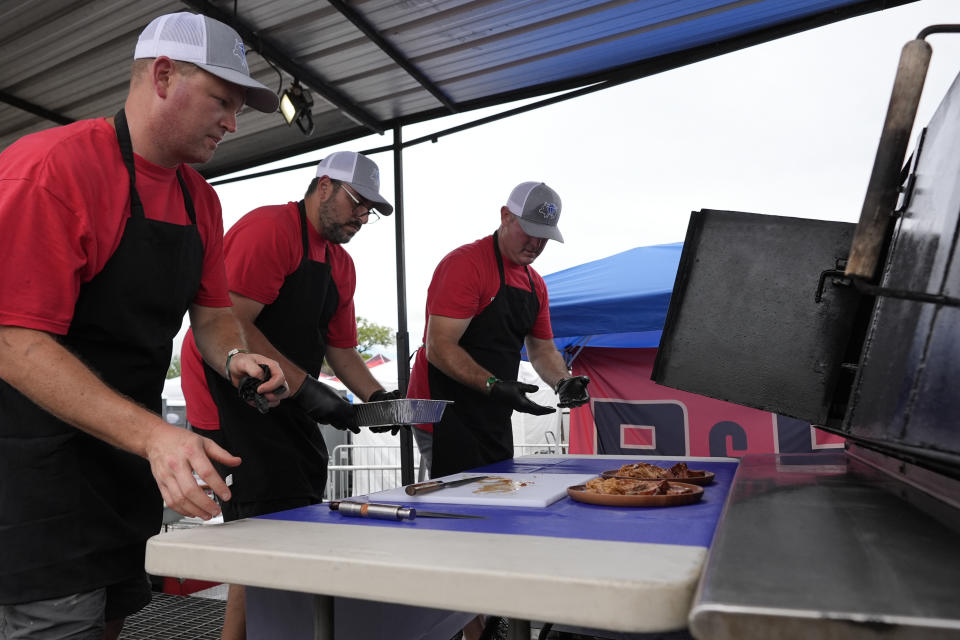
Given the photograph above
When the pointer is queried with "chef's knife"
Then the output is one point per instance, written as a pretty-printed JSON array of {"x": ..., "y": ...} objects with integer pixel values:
[
  {"x": 388, "y": 511},
  {"x": 436, "y": 485}
]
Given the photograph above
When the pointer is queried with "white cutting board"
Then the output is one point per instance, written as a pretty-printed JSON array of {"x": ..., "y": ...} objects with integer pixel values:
[{"x": 509, "y": 489}]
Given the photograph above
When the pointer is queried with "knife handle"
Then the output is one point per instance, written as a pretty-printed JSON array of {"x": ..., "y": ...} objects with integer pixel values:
[{"x": 424, "y": 487}]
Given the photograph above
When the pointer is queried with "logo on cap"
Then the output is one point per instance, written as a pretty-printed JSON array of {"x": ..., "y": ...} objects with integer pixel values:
[
  {"x": 548, "y": 211},
  {"x": 375, "y": 177},
  {"x": 239, "y": 52}
]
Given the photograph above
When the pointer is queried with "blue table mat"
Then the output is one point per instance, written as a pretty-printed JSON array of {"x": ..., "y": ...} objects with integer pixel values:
[{"x": 691, "y": 525}]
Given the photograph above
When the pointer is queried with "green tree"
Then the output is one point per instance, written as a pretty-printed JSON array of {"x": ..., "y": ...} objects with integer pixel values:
[
  {"x": 370, "y": 335},
  {"x": 174, "y": 369}
]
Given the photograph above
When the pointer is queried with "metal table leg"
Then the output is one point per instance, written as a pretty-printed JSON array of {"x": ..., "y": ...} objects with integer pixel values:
[
  {"x": 324, "y": 622},
  {"x": 518, "y": 629}
]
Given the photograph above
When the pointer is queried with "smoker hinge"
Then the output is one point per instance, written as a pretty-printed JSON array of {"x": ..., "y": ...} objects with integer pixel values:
[{"x": 908, "y": 181}]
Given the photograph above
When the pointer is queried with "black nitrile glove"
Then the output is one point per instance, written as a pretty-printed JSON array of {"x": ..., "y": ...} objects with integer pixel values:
[
  {"x": 573, "y": 391},
  {"x": 325, "y": 405},
  {"x": 379, "y": 396},
  {"x": 514, "y": 395},
  {"x": 248, "y": 390}
]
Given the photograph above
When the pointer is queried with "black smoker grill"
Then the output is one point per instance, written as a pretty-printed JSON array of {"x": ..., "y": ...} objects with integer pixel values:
[{"x": 855, "y": 328}]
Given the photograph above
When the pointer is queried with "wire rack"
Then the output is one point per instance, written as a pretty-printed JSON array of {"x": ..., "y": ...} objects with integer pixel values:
[{"x": 169, "y": 617}]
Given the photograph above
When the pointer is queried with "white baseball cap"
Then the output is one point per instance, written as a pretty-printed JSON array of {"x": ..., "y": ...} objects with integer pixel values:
[
  {"x": 358, "y": 171},
  {"x": 211, "y": 45}
]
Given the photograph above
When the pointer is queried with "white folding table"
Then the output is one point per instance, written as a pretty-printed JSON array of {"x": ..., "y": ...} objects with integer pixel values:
[{"x": 541, "y": 568}]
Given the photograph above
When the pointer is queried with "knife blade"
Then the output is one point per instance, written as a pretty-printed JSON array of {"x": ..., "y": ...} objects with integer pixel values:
[
  {"x": 388, "y": 511},
  {"x": 436, "y": 485}
]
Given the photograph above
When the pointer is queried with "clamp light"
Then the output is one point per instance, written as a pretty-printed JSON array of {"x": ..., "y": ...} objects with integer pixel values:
[{"x": 296, "y": 104}]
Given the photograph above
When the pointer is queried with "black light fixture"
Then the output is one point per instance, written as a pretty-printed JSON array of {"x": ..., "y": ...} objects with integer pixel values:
[{"x": 295, "y": 105}]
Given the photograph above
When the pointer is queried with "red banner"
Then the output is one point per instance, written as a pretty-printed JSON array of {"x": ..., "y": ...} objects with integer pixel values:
[{"x": 629, "y": 414}]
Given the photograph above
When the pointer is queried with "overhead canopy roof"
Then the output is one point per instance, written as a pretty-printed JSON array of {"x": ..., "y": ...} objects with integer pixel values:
[{"x": 373, "y": 65}]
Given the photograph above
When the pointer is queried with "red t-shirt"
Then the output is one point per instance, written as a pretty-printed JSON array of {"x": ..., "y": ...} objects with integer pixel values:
[
  {"x": 463, "y": 284},
  {"x": 261, "y": 250},
  {"x": 64, "y": 202}
]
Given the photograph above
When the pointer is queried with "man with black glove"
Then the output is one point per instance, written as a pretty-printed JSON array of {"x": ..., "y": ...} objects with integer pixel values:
[
  {"x": 292, "y": 285},
  {"x": 485, "y": 303}
]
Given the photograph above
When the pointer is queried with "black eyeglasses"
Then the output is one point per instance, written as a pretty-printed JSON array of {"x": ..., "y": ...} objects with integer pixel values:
[{"x": 370, "y": 213}]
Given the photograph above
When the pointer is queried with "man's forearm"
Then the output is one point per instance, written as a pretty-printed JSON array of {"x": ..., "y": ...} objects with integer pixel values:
[
  {"x": 548, "y": 363},
  {"x": 216, "y": 331},
  {"x": 352, "y": 371},
  {"x": 39, "y": 367},
  {"x": 454, "y": 361}
]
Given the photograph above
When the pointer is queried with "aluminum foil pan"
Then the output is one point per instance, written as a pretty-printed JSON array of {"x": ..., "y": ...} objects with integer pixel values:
[{"x": 407, "y": 411}]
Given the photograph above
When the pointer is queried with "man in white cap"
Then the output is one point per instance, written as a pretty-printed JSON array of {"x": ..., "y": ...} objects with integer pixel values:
[
  {"x": 108, "y": 239},
  {"x": 484, "y": 304},
  {"x": 292, "y": 285}
]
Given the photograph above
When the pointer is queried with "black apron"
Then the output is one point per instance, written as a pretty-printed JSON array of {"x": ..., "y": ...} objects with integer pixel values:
[
  {"x": 475, "y": 431},
  {"x": 283, "y": 451},
  {"x": 75, "y": 512}
]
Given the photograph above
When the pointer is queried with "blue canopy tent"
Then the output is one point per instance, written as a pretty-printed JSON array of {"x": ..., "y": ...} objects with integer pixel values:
[{"x": 618, "y": 301}]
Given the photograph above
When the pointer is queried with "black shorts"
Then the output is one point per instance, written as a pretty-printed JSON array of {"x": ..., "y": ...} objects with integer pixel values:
[{"x": 234, "y": 510}]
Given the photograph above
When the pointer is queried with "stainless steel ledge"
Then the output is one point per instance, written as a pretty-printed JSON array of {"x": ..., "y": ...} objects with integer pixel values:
[{"x": 826, "y": 546}]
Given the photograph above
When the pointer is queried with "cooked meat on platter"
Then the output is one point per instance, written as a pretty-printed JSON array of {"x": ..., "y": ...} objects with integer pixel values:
[
  {"x": 680, "y": 470},
  {"x": 644, "y": 471},
  {"x": 641, "y": 470},
  {"x": 622, "y": 487}
]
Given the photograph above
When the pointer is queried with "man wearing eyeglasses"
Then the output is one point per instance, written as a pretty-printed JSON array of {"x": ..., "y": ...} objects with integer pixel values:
[
  {"x": 484, "y": 304},
  {"x": 292, "y": 286}
]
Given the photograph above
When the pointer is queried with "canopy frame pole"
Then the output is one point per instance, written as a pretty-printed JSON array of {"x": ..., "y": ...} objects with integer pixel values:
[
  {"x": 571, "y": 351},
  {"x": 403, "y": 336}
]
